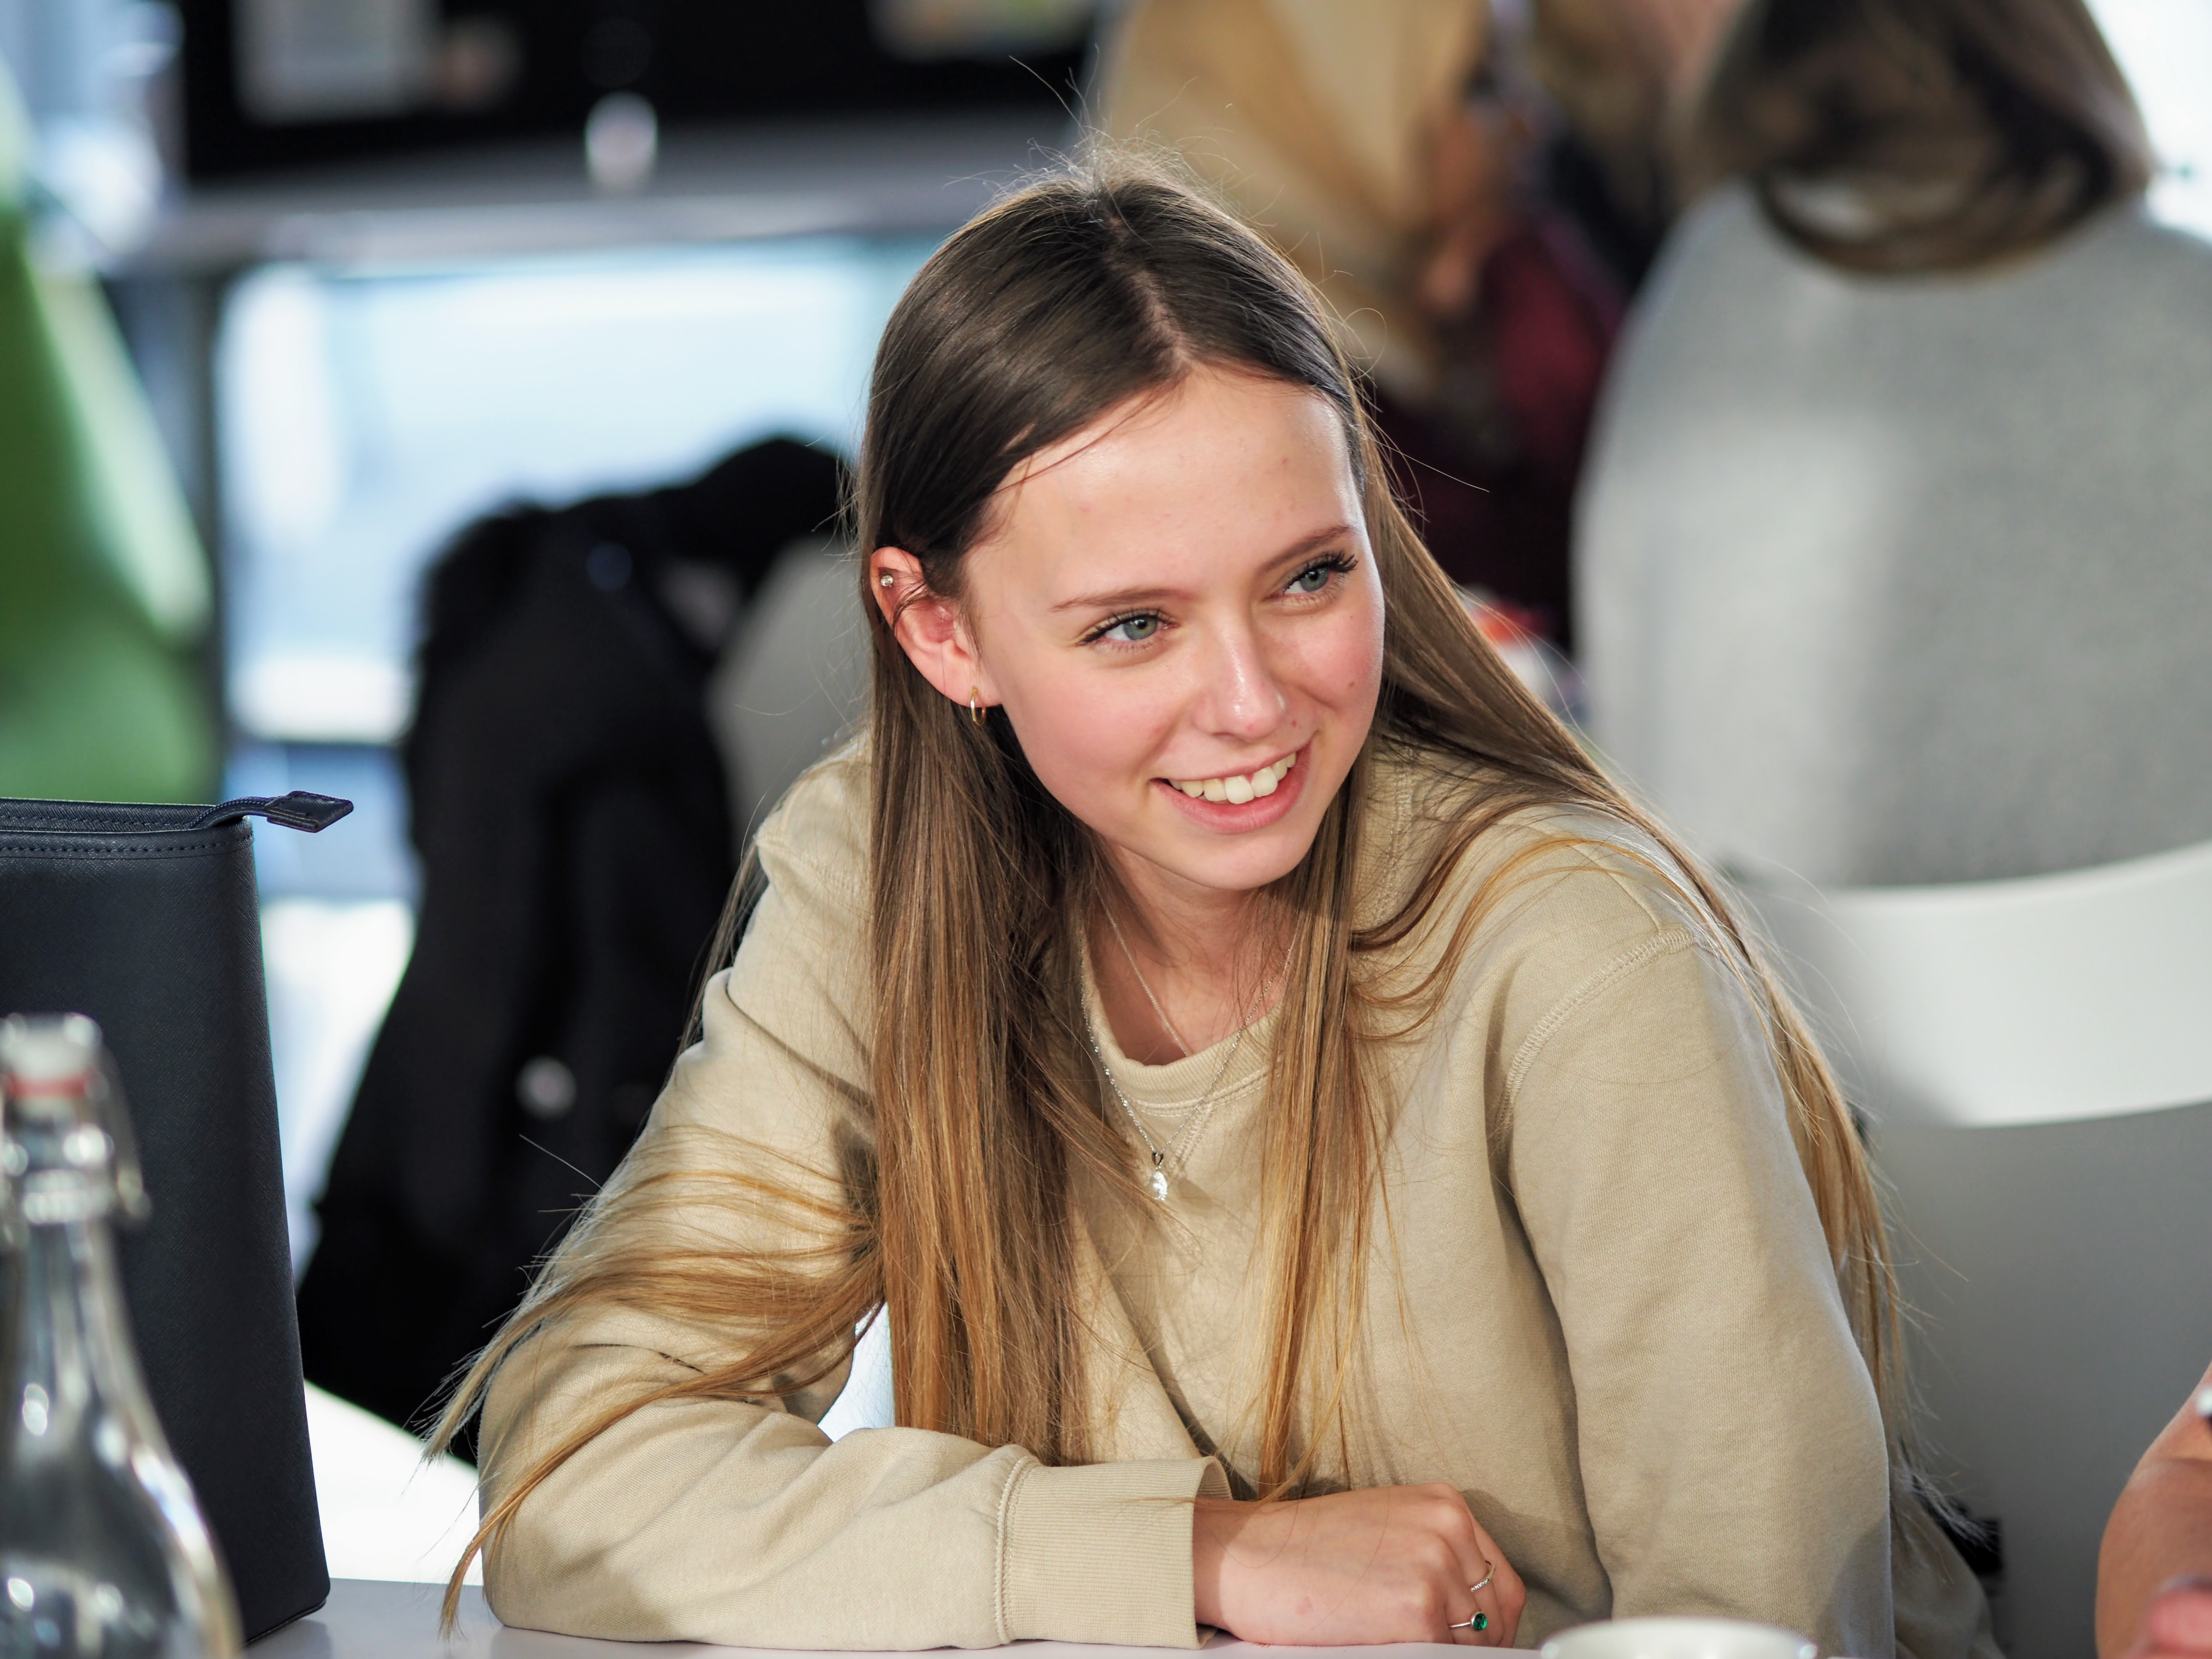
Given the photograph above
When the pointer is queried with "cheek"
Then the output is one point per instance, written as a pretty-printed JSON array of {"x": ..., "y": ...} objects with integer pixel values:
[
  {"x": 1342, "y": 660},
  {"x": 1086, "y": 739}
]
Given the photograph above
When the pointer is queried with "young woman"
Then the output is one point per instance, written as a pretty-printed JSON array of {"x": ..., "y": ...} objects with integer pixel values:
[{"x": 1332, "y": 1171}]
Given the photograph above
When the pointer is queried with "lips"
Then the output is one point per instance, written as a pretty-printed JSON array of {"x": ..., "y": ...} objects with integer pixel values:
[{"x": 1239, "y": 788}]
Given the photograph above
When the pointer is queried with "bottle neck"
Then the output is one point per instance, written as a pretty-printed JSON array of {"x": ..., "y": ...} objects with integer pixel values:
[
  {"x": 102, "y": 1530},
  {"x": 71, "y": 1366}
]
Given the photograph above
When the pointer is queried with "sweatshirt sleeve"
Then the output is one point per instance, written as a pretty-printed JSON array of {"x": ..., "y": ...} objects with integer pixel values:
[
  {"x": 1731, "y": 1449},
  {"x": 738, "y": 1522}
]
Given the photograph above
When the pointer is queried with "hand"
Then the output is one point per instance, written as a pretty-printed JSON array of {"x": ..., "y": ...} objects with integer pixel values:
[
  {"x": 1394, "y": 1563},
  {"x": 2178, "y": 1623},
  {"x": 2154, "y": 1596}
]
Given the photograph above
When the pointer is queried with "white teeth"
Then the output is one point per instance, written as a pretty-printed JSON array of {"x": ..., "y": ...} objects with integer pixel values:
[{"x": 1238, "y": 790}]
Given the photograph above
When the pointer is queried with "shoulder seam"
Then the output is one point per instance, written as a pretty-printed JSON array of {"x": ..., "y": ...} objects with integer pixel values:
[{"x": 1661, "y": 944}]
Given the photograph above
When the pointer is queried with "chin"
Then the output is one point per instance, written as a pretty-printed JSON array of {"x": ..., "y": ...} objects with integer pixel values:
[{"x": 1264, "y": 859}]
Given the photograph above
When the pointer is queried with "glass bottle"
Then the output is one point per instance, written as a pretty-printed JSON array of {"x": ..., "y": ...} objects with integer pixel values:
[{"x": 103, "y": 1551}]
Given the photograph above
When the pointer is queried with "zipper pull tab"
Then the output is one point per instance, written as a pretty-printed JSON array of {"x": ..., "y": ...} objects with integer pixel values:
[{"x": 298, "y": 810}]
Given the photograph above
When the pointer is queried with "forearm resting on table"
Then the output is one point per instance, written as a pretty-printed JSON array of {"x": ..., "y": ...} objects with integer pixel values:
[{"x": 2161, "y": 1530}]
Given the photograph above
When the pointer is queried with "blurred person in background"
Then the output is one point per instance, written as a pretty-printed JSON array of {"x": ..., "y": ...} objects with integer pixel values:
[
  {"x": 2154, "y": 1573},
  {"x": 1375, "y": 147},
  {"x": 1621, "y": 73},
  {"x": 1891, "y": 552},
  {"x": 104, "y": 592}
]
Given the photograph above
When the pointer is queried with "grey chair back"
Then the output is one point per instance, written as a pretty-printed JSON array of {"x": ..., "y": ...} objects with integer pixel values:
[{"x": 2034, "y": 1059}]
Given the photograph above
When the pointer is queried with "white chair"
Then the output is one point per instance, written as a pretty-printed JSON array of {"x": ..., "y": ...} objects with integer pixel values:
[
  {"x": 2035, "y": 1060},
  {"x": 866, "y": 1399},
  {"x": 2030, "y": 1001},
  {"x": 793, "y": 677}
]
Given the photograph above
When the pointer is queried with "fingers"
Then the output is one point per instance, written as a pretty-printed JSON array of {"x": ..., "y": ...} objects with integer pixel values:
[
  {"x": 1494, "y": 1598},
  {"x": 1498, "y": 1603},
  {"x": 1472, "y": 1602},
  {"x": 1462, "y": 1611},
  {"x": 1446, "y": 1519},
  {"x": 1505, "y": 1595},
  {"x": 1469, "y": 1605}
]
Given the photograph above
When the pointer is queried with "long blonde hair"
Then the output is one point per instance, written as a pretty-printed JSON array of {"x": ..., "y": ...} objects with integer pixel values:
[{"x": 1066, "y": 300}]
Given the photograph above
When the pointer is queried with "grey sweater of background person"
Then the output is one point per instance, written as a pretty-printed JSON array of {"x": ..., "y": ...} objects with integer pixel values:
[{"x": 1905, "y": 580}]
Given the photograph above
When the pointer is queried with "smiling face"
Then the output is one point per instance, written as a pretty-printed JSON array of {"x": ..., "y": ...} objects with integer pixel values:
[{"x": 1178, "y": 609}]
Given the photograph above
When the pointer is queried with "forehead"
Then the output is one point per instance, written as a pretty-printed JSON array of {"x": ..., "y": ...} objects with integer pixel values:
[{"x": 1228, "y": 459}]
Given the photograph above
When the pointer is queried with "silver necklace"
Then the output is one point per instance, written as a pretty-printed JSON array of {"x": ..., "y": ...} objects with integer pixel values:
[
  {"x": 1193, "y": 1118},
  {"x": 1130, "y": 957}
]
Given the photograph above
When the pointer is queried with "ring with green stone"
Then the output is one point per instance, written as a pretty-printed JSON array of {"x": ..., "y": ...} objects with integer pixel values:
[{"x": 1481, "y": 1621}]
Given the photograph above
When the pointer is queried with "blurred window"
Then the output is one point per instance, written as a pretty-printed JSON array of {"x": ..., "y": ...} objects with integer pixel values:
[
  {"x": 363, "y": 418},
  {"x": 2165, "y": 49}
]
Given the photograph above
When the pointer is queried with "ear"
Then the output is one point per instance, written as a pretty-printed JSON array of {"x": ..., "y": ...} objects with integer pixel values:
[{"x": 930, "y": 629}]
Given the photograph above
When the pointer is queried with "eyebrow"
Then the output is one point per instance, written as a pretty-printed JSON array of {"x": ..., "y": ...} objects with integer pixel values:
[{"x": 1121, "y": 598}]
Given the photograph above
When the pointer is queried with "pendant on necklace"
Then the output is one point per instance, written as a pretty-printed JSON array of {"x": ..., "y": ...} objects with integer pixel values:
[{"x": 1158, "y": 1182}]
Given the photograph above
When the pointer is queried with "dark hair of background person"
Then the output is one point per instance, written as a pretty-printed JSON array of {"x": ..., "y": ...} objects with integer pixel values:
[{"x": 1920, "y": 135}]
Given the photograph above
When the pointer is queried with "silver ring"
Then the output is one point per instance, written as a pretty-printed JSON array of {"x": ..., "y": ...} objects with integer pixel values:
[{"x": 1480, "y": 1620}]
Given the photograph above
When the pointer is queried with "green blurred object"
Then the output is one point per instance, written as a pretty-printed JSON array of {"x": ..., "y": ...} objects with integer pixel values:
[{"x": 104, "y": 589}]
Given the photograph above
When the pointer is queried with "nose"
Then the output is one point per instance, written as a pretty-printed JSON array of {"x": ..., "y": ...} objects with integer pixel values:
[{"x": 1239, "y": 699}]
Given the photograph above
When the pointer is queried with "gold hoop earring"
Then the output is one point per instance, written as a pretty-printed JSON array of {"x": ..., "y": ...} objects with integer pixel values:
[{"x": 975, "y": 705}]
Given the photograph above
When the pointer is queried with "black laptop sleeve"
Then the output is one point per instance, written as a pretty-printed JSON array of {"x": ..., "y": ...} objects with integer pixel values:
[{"x": 147, "y": 919}]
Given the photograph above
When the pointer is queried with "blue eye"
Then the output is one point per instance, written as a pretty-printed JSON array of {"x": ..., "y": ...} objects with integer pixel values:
[
  {"x": 1314, "y": 579},
  {"x": 1130, "y": 630}
]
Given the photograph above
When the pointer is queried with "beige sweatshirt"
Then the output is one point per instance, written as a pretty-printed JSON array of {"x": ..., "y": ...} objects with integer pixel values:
[{"x": 1603, "y": 1310}]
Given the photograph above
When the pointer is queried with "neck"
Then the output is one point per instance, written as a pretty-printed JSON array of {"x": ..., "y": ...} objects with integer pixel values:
[{"x": 1209, "y": 958}]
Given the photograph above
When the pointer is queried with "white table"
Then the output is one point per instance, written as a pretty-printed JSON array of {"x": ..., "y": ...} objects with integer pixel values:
[{"x": 369, "y": 1619}]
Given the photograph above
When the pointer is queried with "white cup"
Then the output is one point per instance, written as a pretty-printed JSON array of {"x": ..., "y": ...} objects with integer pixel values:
[{"x": 1679, "y": 1638}]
